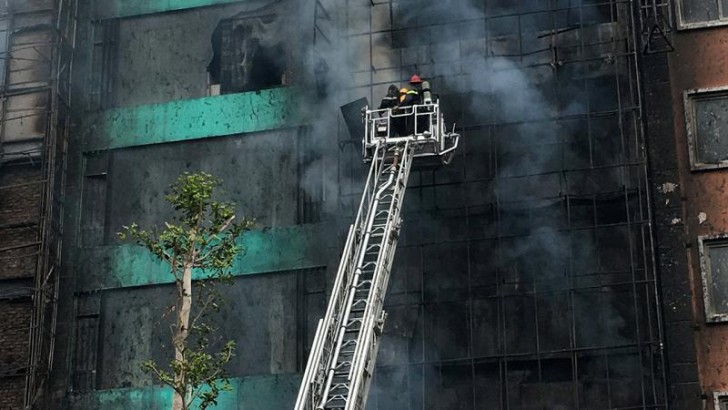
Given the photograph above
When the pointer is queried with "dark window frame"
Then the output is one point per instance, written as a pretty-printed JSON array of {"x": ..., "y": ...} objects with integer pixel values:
[
  {"x": 683, "y": 25},
  {"x": 704, "y": 244},
  {"x": 690, "y": 97}
]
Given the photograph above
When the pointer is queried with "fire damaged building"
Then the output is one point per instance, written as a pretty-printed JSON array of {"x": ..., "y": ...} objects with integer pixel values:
[{"x": 571, "y": 255}]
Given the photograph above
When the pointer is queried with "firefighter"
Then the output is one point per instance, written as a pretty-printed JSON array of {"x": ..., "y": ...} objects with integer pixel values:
[
  {"x": 424, "y": 96},
  {"x": 407, "y": 102},
  {"x": 402, "y": 94},
  {"x": 422, "y": 87},
  {"x": 390, "y": 100},
  {"x": 416, "y": 84},
  {"x": 413, "y": 97},
  {"x": 410, "y": 98},
  {"x": 399, "y": 124}
]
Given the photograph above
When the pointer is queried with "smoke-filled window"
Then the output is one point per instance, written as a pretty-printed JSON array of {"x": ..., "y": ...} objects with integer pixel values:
[
  {"x": 247, "y": 56},
  {"x": 702, "y": 13},
  {"x": 714, "y": 266},
  {"x": 707, "y": 123}
]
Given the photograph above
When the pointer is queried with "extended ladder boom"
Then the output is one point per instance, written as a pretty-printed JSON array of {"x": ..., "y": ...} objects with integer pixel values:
[
  {"x": 342, "y": 358},
  {"x": 341, "y": 361}
]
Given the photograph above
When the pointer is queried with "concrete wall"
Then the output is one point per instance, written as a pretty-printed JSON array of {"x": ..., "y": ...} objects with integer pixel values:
[
  {"x": 261, "y": 316},
  {"x": 246, "y": 162},
  {"x": 122, "y": 328},
  {"x": 146, "y": 73}
]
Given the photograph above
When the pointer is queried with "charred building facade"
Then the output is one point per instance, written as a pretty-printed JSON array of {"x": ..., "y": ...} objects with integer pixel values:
[
  {"x": 570, "y": 257},
  {"x": 36, "y": 50}
]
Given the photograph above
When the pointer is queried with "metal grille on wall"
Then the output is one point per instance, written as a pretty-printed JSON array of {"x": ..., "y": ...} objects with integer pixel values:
[
  {"x": 656, "y": 27},
  {"x": 525, "y": 274}
]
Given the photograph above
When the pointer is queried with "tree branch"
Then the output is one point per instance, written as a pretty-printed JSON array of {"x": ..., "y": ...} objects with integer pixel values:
[
  {"x": 160, "y": 375},
  {"x": 213, "y": 376},
  {"x": 220, "y": 230},
  {"x": 226, "y": 224},
  {"x": 210, "y": 299}
]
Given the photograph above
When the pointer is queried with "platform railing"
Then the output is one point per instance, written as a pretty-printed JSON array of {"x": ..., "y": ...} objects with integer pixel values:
[{"x": 421, "y": 123}]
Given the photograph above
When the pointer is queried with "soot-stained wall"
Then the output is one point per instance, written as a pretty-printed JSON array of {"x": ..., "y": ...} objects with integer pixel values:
[
  {"x": 109, "y": 326},
  {"x": 259, "y": 172},
  {"x": 524, "y": 277},
  {"x": 266, "y": 315},
  {"x": 165, "y": 57}
]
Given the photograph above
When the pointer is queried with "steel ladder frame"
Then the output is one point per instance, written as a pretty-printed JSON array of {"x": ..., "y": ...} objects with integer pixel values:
[{"x": 340, "y": 365}]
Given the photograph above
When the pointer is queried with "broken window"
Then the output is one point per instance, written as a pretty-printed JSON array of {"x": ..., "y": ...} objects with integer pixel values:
[
  {"x": 714, "y": 270},
  {"x": 706, "y": 114},
  {"x": 702, "y": 13},
  {"x": 247, "y": 56}
]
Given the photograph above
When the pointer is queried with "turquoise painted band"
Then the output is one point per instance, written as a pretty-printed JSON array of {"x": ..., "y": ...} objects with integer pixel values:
[
  {"x": 268, "y": 250},
  {"x": 184, "y": 120},
  {"x": 106, "y": 9},
  {"x": 269, "y": 392}
]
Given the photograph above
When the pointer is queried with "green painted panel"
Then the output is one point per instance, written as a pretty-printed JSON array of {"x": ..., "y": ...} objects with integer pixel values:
[
  {"x": 266, "y": 392},
  {"x": 134, "y": 399},
  {"x": 197, "y": 118},
  {"x": 269, "y": 392},
  {"x": 128, "y": 8},
  {"x": 268, "y": 250}
]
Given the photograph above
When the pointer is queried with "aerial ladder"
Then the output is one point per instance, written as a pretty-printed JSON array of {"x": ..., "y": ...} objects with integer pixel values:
[{"x": 341, "y": 362}]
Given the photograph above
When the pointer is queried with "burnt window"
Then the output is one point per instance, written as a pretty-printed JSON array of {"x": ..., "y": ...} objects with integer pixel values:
[
  {"x": 702, "y": 13},
  {"x": 706, "y": 116},
  {"x": 246, "y": 56},
  {"x": 714, "y": 271}
]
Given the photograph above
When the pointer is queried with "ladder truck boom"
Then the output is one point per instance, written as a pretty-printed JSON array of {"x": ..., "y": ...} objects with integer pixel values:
[{"x": 341, "y": 362}]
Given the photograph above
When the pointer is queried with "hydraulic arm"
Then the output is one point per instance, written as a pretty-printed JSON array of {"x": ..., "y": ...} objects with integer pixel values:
[{"x": 341, "y": 361}]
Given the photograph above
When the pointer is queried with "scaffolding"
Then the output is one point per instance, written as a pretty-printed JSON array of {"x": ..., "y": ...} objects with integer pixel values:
[
  {"x": 37, "y": 48},
  {"x": 525, "y": 277},
  {"x": 655, "y": 21}
]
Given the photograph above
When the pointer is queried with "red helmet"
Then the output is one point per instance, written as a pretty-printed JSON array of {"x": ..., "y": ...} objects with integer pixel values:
[{"x": 415, "y": 79}]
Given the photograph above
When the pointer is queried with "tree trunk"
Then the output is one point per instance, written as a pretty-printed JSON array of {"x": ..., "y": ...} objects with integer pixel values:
[{"x": 180, "y": 336}]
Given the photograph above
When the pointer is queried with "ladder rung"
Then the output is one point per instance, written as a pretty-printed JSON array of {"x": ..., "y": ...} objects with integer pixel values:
[{"x": 362, "y": 283}]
